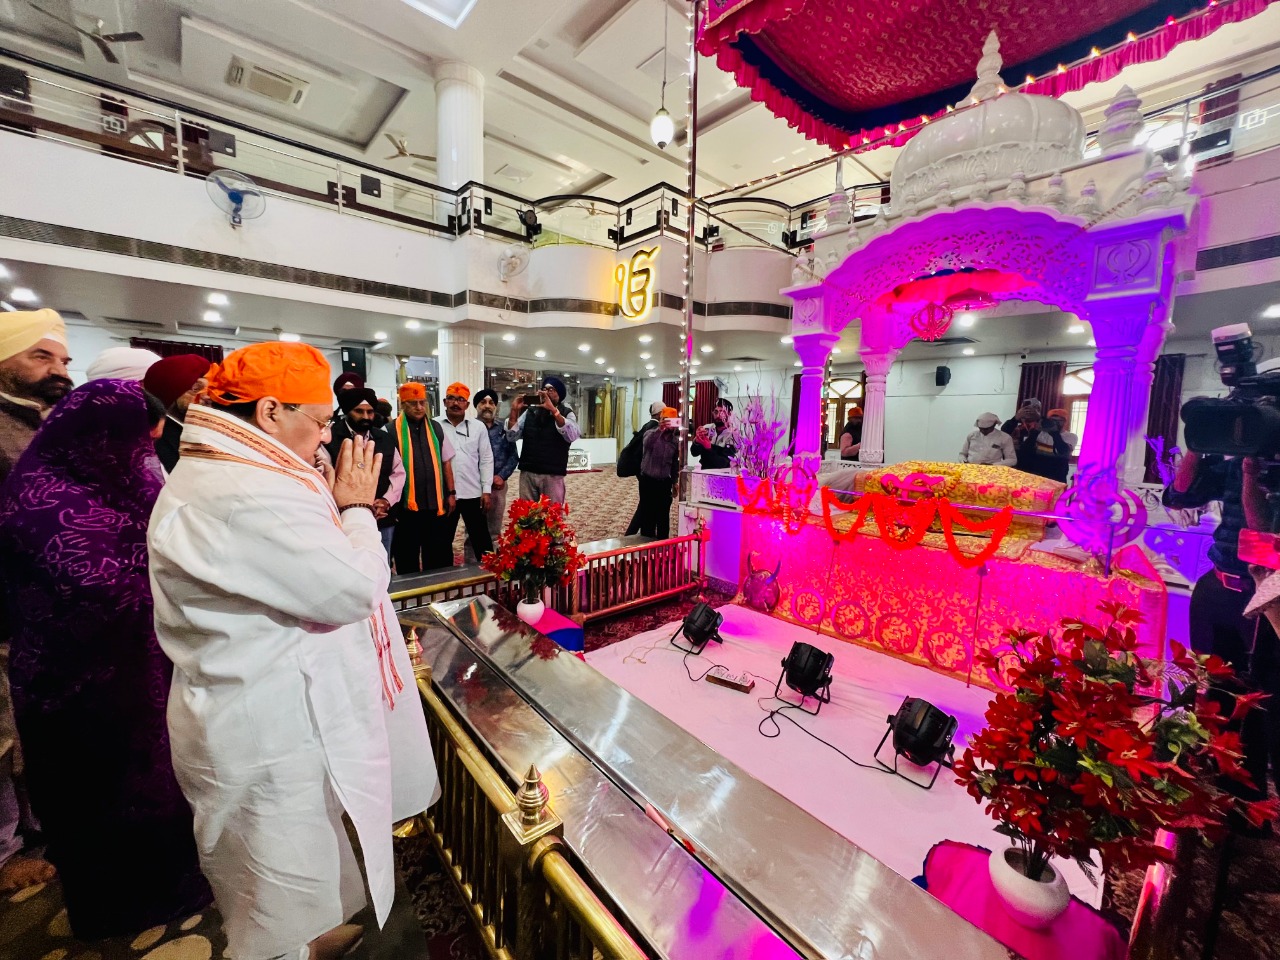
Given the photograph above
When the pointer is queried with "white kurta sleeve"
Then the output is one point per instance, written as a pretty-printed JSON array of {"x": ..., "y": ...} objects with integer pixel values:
[{"x": 287, "y": 555}]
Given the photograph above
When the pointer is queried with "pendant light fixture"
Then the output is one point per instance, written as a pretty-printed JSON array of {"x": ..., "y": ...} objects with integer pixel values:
[{"x": 662, "y": 128}]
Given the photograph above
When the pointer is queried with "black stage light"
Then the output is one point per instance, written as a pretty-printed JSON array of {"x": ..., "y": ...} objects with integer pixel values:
[
  {"x": 922, "y": 733},
  {"x": 807, "y": 670},
  {"x": 700, "y": 625}
]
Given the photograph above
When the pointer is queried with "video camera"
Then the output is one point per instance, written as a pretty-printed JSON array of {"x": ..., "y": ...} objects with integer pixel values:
[{"x": 1246, "y": 423}]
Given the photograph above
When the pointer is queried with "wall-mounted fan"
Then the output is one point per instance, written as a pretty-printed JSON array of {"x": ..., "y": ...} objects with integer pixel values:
[
  {"x": 101, "y": 40},
  {"x": 512, "y": 261},
  {"x": 235, "y": 195}
]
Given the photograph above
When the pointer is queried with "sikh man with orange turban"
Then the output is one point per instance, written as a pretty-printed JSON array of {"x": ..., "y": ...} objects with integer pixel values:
[
  {"x": 292, "y": 701},
  {"x": 424, "y": 537},
  {"x": 472, "y": 468}
]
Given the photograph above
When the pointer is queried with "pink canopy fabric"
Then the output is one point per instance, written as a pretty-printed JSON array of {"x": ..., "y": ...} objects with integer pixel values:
[{"x": 848, "y": 74}]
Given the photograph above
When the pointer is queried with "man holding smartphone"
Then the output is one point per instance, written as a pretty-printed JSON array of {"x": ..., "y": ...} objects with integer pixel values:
[
  {"x": 713, "y": 444},
  {"x": 548, "y": 429}
]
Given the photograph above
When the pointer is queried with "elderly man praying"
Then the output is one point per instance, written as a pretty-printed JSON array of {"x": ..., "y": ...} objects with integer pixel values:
[{"x": 292, "y": 702}]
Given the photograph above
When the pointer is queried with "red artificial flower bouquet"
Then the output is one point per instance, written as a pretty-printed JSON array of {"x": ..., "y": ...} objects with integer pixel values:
[
  {"x": 1097, "y": 748},
  {"x": 538, "y": 548}
]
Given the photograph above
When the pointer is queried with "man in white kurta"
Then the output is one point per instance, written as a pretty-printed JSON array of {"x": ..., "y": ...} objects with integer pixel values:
[{"x": 292, "y": 700}]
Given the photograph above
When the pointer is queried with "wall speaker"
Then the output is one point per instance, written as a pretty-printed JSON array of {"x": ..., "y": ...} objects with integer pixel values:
[
  {"x": 353, "y": 361},
  {"x": 942, "y": 376}
]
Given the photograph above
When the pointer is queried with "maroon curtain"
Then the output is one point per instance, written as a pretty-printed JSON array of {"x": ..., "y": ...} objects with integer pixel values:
[
  {"x": 671, "y": 394},
  {"x": 705, "y": 395},
  {"x": 171, "y": 348},
  {"x": 1166, "y": 402},
  {"x": 1043, "y": 382}
]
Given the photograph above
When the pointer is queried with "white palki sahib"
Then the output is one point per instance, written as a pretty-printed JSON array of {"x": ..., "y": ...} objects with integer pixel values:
[{"x": 292, "y": 698}]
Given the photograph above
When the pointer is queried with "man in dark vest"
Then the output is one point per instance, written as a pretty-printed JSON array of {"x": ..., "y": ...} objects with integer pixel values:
[
  {"x": 357, "y": 406},
  {"x": 421, "y": 541},
  {"x": 548, "y": 430}
]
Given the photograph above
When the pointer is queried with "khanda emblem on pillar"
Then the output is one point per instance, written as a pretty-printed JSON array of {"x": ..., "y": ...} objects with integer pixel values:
[{"x": 635, "y": 284}]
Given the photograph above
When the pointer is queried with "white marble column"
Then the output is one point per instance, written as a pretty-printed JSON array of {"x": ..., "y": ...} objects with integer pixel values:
[
  {"x": 1135, "y": 457},
  {"x": 459, "y": 124},
  {"x": 877, "y": 363},
  {"x": 814, "y": 349},
  {"x": 461, "y": 357}
]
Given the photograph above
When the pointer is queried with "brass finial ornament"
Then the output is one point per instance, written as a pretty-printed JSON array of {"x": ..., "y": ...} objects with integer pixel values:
[{"x": 533, "y": 817}]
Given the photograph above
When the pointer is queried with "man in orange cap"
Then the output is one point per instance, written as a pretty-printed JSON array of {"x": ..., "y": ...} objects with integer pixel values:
[
  {"x": 423, "y": 539},
  {"x": 472, "y": 468},
  {"x": 270, "y": 589}
]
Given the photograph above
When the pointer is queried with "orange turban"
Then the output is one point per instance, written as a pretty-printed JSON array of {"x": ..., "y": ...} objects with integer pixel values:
[
  {"x": 669, "y": 413},
  {"x": 412, "y": 391},
  {"x": 290, "y": 372},
  {"x": 458, "y": 390}
]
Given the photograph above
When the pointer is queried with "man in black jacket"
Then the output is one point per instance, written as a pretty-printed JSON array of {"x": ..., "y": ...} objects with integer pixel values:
[
  {"x": 548, "y": 430},
  {"x": 177, "y": 382},
  {"x": 655, "y": 411},
  {"x": 713, "y": 444},
  {"x": 358, "y": 412}
]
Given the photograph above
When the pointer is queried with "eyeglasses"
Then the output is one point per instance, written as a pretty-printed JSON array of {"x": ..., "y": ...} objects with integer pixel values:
[{"x": 322, "y": 424}]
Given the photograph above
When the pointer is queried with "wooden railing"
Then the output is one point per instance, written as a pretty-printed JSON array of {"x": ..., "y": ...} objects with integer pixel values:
[{"x": 504, "y": 852}]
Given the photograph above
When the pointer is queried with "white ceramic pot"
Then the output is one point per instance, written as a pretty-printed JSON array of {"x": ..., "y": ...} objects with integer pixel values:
[
  {"x": 530, "y": 612},
  {"x": 1032, "y": 903}
]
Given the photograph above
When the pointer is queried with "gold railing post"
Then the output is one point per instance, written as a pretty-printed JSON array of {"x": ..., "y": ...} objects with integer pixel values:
[{"x": 532, "y": 828}]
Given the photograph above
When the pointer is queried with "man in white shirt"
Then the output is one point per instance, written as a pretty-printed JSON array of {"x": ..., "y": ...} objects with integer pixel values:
[
  {"x": 548, "y": 430},
  {"x": 472, "y": 469},
  {"x": 988, "y": 445},
  {"x": 292, "y": 701}
]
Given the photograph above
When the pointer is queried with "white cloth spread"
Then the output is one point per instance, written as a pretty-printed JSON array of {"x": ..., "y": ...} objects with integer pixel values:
[{"x": 274, "y": 611}]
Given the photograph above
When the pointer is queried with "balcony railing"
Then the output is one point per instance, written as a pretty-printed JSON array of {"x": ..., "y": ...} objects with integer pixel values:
[{"x": 1235, "y": 119}]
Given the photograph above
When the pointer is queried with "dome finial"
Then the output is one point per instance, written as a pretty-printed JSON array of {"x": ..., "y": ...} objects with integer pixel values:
[{"x": 988, "y": 85}]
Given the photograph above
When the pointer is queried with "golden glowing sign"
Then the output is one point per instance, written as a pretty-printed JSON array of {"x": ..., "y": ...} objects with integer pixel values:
[{"x": 635, "y": 284}]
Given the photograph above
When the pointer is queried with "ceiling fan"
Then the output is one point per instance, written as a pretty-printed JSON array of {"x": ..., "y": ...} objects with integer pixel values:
[
  {"x": 102, "y": 40},
  {"x": 402, "y": 149}
]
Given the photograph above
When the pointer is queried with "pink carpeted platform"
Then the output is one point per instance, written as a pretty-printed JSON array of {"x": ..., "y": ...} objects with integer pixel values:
[{"x": 889, "y": 818}]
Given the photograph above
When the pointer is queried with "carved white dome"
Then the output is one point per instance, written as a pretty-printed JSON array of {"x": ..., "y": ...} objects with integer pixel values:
[{"x": 1004, "y": 134}]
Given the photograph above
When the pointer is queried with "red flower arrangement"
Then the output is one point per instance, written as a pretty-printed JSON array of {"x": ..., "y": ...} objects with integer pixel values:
[
  {"x": 538, "y": 547},
  {"x": 1087, "y": 753}
]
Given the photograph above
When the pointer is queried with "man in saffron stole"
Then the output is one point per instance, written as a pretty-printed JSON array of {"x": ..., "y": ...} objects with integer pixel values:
[
  {"x": 292, "y": 701},
  {"x": 422, "y": 540}
]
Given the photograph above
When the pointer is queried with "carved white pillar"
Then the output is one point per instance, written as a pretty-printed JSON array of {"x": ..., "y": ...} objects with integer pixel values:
[
  {"x": 877, "y": 363},
  {"x": 814, "y": 349},
  {"x": 1144, "y": 372},
  {"x": 461, "y": 356},
  {"x": 459, "y": 124}
]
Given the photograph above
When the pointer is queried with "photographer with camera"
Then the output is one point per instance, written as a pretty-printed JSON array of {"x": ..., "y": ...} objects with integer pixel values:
[{"x": 548, "y": 427}]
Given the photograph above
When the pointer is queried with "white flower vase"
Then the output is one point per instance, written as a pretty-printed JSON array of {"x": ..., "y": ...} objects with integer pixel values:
[
  {"x": 1032, "y": 903},
  {"x": 531, "y": 608}
]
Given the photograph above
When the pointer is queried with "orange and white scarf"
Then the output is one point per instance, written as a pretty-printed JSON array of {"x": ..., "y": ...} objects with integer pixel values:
[{"x": 258, "y": 450}]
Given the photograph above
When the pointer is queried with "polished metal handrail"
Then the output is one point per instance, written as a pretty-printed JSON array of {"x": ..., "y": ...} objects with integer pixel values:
[{"x": 504, "y": 853}]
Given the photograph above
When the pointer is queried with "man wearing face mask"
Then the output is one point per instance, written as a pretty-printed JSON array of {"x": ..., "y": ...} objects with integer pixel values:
[
  {"x": 358, "y": 406},
  {"x": 988, "y": 445}
]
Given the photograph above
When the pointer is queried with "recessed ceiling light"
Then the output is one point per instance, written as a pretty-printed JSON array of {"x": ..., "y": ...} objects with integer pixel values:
[
  {"x": 696, "y": 363},
  {"x": 786, "y": 340},
  {"x": 1076, "y": 328},
  {"x": 380, "y": 335},
  {"x": 217, "y": 300},
  {"x": 23, "y": 295},
  {"x": 289, "y": 337},
  {"x": 653, "y": 375},
  {"x": 211, "y": 316},
  {"x": 540, "y": 354},
  {"x": 435, "y": 353},
  {"x": 967, "y": 320},
  {"x": 584, "y": 348},
  {"x": 509, "y": 337},
  {"x": 599, "y": 359},
  {"x": 1093, "y": 343},
  {"x": 1272, "y": 312},
  {"x": 796, "y": 364},
  {"x": 609, "y": 370},
  {"x": 737, "y": 368},
  {"x": 835, "y": 349},
  {"x": 645, "y": 338},
  {"x": 649, "y": 366},
  {"x": 644, "y": 356},
  {"x": 967, "y": 351},
  {"x": 413, "y": 324},
  {"x": 707, "y": 348}
]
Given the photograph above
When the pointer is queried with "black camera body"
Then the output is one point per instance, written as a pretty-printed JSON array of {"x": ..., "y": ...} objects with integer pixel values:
[{"x": 1244, "y": 424}]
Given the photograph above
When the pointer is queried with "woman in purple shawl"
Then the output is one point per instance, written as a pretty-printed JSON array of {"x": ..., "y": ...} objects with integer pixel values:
[{"x": 90, "y": 684}]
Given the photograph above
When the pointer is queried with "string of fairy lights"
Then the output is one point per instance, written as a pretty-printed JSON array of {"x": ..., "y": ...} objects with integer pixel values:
[{"x": 691, "y": 209}]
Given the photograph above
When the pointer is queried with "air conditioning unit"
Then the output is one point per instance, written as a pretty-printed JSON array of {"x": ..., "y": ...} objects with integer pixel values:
[{"x": 271, "y": 84}]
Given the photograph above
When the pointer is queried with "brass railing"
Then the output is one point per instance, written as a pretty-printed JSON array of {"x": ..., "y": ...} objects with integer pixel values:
[
  {"x": 504, "y": 852},
  {"x": 611, "y": 581}
]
